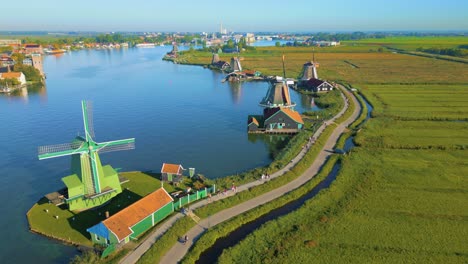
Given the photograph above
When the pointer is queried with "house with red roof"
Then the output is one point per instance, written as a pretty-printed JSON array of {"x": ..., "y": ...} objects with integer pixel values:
[
  {"x": 276, "y": 120},
  {"x": 19, "y": 76},
  {"x": 32, "y": 48},
  {"x": 134, "y": 220},
  {"x": 171, "y": 172}
]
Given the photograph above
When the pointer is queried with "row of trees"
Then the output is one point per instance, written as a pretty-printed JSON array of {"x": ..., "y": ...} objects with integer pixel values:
[{"x": 448, "y": 51}]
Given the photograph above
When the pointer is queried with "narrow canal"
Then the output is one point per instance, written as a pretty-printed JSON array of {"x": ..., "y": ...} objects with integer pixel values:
[{"x": 212, "y": 254}]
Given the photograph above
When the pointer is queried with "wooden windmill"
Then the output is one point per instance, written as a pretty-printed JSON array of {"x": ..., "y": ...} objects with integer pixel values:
[{"x": 91, "y": 184}]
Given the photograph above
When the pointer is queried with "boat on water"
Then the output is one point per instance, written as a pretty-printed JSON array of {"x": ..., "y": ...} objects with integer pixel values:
[
  {"x": 145, "y": 45},
  {"x": 54, "y": 51}
]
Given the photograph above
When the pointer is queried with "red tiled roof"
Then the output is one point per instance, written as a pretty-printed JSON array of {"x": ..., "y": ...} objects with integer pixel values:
[
  {"x": 171, "y": 168},
  {"x": 293, "y": 114},
  {"x": 11, "y": 75},
  {"x": 121, "y": 222},
  {"x": 32, "y": 46},
  {"x": 254, "y": 120},
  {"x": 268, "y": 112}
]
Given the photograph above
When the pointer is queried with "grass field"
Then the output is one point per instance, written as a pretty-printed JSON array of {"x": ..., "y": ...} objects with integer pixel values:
[
  {"x": 414, "y": 102},
  {"x": 412, "y": 43},
  {"x": 391, "y": 206},
  {"x": 347, "y": 65},
  {"x": 402, "y": 193},
  {"x": 390, "y": 133}
]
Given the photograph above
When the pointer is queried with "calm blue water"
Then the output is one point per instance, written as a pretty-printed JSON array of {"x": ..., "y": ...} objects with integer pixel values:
[{"x": 178, "y": 114}]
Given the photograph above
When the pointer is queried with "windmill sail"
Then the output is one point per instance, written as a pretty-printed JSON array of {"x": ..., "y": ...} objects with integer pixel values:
[
  {"x": 118, "y": 145},
  {"x": 59, "y": 150},
  {"x": 88, "y": 171}
]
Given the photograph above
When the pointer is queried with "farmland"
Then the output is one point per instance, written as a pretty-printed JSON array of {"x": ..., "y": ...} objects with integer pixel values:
[
  {"x": 350, "y": 64},
  {"x": 402, "y": 194},
  {"x": 392, "y": 206},
  {"x": 419, "y": 102}
]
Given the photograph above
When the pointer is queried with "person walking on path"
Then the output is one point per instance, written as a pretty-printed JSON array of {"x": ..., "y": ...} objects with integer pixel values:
[{"x": 185, "y": 239}]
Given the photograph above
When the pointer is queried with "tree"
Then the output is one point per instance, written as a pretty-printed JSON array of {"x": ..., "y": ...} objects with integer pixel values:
[
  {"x": 278, "y": 44},
  {"x": 230, "y": 44},
  {"x": 32, "y": 74},
  {"x": 18, "y": 58}
]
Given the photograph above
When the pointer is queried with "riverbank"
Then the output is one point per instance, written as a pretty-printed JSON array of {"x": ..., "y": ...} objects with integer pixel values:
[
  {"x": 58, "y": 223},
  {"x": 253, "y": 189},
  {"x": 178, "y": 251}
]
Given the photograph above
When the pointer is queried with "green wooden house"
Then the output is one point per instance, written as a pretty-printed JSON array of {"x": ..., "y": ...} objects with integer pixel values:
[
  {"x": 134, "y": 220},
  {"x": 172, "y": 172}
]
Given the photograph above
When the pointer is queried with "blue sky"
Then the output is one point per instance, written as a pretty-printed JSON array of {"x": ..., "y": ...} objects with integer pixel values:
[{"x": 237, "y": 15}]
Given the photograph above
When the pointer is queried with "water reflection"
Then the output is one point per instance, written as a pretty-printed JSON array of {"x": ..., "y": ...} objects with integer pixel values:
[
  {"x": 236, "y": 91},
  {"x": 27, "y": 91},
  {"x": 274, "y": 143}
]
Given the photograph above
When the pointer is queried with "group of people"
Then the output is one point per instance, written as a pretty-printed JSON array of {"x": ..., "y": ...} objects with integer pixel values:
[{"x": 265, "y": 176}]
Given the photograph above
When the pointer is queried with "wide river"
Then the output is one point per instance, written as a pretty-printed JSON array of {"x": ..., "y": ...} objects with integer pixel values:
[{"x": 178, "y": 114}]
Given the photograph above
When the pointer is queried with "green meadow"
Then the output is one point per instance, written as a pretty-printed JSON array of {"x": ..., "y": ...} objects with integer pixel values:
[
  {"x": 402, "y": 193},
  {"x": 387, "y": 206},
  {"x": 419, "y": 102}
]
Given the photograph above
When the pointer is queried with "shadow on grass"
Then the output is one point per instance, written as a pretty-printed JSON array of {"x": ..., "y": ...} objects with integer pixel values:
[{"x": 80, "y": 221}]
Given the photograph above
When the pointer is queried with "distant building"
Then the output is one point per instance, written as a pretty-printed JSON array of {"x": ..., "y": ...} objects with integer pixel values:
[
  {"x": 250, "y": 38},
  {"x": 6, "y": 61},
  {"x": 235, "y": 64},
  {"x": 310, "y": 71},
  {"x": 310, "y": 80},
  {"x": 215, "y": 58},
  {"x": 7, "y": 42},
  {"x": 252, "y": 73},
  {"x": 172, "y": 172},
  {"x": 326, "y": 43},
  {"x": 221, "y": 65},
  {"x": 174, "y": 51},
  {"x": 317, "y": 85},
  {"x": 33, "y": 49},
  {"x": 35, "y": 61},
  {"x": 14, "y": 75}
]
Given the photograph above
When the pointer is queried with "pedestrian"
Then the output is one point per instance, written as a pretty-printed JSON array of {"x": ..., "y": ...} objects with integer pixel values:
[{"x": 185, "y": 239}]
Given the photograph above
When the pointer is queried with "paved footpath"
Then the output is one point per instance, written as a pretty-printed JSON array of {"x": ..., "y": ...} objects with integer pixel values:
[{"x": 178, "y": 251}]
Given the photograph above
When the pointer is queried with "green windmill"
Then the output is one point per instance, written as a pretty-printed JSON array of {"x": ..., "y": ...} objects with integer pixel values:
[{"x": 90, "y": 184}]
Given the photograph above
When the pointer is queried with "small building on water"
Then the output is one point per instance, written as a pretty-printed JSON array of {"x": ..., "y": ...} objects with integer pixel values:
[
  {"x": 279, "y": 115},
  {"x": 174, "y": 53}
]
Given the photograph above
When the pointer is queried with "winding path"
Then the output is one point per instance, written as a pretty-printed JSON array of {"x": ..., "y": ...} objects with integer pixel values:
[{"x": 178, "y": 251}]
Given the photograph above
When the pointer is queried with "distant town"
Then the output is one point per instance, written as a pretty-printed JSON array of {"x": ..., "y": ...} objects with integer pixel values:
[{"x": 21, "y": 53}]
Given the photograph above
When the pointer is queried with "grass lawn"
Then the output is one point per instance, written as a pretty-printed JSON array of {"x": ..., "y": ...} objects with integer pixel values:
[
  {"x": 414, "y": 102},
  {"x": 393, "y": 206},
  {"x": 72, "y": 226},
  {"x": 390, "y": 133}
]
